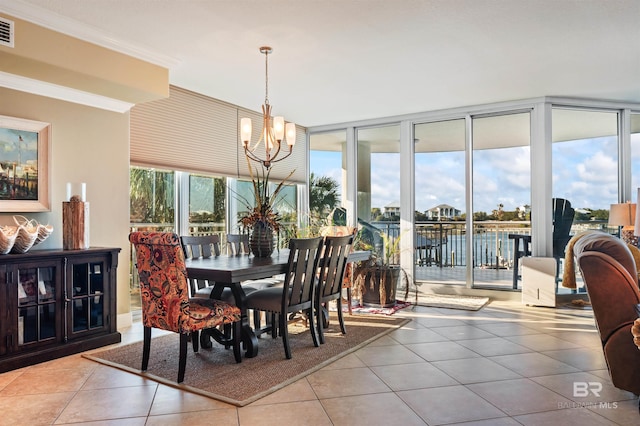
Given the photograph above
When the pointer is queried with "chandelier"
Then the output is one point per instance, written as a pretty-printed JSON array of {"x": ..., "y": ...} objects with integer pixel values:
[{"x": 273, "y": 131}]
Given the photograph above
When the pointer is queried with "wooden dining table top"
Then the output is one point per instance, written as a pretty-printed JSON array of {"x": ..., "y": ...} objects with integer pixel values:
[
  {"x": 234, "y": 269},
  {"x": 230, "y": 271}
]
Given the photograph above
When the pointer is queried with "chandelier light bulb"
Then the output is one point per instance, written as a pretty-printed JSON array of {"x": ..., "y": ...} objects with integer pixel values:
[
  {"x": 291, "y": 134},
  {"x": 278, "y": 128},
  {"x": 245, "y": 130}
]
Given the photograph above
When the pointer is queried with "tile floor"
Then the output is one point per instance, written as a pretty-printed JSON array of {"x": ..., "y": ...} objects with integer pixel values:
[{"x": 506, "y": 364}]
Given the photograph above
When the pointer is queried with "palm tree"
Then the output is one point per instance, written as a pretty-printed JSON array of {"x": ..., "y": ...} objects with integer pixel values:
[
  {"x": 151, "y": 196},
  {"x": 324, "y": 195}
]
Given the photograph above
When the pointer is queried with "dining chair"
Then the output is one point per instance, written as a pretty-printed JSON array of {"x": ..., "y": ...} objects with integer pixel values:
[
  {"x": 237, "y": 244},
  {"x": 347, "y": 283},
  {"x": 297, "y": 293},
  {"x": 205, "y": 246},
  {"x": 330, "y": 282},
  {"x": 200, "y": 246},
  {"x": 165, "y": 297}
]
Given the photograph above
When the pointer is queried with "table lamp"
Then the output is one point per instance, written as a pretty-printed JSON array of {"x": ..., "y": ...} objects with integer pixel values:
[{"x": 624, "y": 214}]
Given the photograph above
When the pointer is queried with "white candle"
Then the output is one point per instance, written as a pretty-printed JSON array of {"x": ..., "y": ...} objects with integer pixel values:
[
  {"x": 84, "y": 192},
  {"x": 68, "y": 191}
]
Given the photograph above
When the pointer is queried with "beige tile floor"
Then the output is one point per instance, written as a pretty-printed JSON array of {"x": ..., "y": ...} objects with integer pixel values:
[{"x": 506, "y": 364}]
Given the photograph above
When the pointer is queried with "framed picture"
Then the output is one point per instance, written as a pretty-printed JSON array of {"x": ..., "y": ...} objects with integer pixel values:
[{"x": 24, "y": 165}]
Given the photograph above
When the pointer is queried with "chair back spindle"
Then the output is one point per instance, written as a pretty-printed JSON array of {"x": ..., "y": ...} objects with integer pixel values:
[
  {"x": 237, "y": 244},
  {"x": 196, "y": 247}
]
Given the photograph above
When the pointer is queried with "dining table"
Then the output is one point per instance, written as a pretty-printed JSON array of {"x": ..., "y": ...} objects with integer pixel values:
[{"x": 229, "y": 271}]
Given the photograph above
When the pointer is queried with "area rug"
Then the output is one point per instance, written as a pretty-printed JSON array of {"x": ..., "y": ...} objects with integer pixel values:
[
  {"x": 578, "y": 304},
  {"x": 467, "y": 303},
  {"x": 360, "y": 309},
  {"x": 214, "y": 373}
]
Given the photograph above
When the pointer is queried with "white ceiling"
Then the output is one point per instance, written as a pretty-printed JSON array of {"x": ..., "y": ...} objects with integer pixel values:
[{"x": 346, "y": 60}]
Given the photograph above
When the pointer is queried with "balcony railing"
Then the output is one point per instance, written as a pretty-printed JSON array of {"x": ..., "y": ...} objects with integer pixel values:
[
  {"x": 443, "y": 244},
  {"x": 437, "y": 244}
]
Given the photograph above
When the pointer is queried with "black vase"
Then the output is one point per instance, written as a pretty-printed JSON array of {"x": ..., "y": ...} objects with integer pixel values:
[{"x": 261, "y": 240}]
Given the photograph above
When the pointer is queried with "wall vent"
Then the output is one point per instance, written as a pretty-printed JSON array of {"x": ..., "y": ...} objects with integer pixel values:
[{"x": 6, "y": 32}]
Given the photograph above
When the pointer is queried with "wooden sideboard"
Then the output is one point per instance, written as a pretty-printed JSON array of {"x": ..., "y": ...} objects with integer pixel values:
[{"x": 54, "y": 303}]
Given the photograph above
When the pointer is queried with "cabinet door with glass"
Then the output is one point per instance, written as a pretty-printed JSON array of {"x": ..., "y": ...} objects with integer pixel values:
[
  {"x": 87, "y": 295},
  {"x": 33, "y": 292}
]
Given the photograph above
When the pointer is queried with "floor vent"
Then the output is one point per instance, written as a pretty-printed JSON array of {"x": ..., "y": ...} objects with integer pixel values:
[{"x": 6, "y": 32}]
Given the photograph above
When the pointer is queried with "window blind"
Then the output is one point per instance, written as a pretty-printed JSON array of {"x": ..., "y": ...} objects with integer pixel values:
[{"x": 191, "y": 132}]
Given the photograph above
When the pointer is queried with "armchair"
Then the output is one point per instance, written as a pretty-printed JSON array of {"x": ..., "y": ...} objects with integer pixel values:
[
  {"x": 165, "y": 297},
  {"x": 609, "y": 273}
]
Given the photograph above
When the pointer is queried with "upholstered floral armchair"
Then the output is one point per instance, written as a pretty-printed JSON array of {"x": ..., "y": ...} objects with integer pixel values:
[{"x": 165, "y": 298}]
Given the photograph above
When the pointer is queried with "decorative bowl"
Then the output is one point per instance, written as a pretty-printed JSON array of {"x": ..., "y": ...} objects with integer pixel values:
[{"x": 26, "y": 234}]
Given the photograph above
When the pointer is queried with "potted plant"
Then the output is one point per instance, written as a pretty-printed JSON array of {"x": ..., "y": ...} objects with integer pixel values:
[
  {"x": 261, "y": 219},
  {"x": 376, "y": 280}
]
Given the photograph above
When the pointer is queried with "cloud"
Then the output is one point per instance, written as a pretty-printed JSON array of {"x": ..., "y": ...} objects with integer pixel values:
[{"x": 583, "y": 171}]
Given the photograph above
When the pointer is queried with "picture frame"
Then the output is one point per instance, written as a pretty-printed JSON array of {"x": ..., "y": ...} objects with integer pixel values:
[{"x": 24, "y": 165}]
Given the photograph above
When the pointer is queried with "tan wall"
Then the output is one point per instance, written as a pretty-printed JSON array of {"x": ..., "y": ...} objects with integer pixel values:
[
  {"x": 46, "y": 55},
  {"x": 87, "y": 145}
]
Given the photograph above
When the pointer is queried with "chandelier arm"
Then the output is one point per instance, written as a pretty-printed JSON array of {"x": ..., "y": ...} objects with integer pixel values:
[
  {"x": 251, "y": 156},
  {"x": 282, "y": 158},
  {"x": 252, "y": 148},
  {"x": 275, "y": 155}
]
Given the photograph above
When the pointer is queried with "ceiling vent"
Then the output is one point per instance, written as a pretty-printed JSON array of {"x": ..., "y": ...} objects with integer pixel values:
[{"x": 6, "y": 32}]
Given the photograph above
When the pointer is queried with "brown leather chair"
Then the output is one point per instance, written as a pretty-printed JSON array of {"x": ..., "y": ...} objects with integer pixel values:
[{"x": 609, "y": 273}]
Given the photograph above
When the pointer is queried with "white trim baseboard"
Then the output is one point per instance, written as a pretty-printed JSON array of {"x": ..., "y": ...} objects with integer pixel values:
[{"x": 125, "y": 320}]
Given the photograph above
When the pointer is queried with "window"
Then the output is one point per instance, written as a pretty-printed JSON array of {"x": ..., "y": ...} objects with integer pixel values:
[
  {"x": 152, "y": 199},
  {"x": 327, "y": 179},
  {"x": 207, "y": 214},
  {"x": 501, "y": 193},
  {"x": 585, "y": 160},
  {"x": 378, "y": 185},
  {"x": 635, "y": 155},
  {"x": 440, "y": 198}
]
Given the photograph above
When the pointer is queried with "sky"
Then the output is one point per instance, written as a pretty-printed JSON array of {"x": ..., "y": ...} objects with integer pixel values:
[
  {"x": 584, "y": 172},
  {"x": 12, "y": 149}
]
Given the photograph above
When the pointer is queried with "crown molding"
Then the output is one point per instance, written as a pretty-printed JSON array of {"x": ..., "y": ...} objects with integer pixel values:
[
  {"x": 71, "y": 27},
  {"x": 37, "y": 87}
]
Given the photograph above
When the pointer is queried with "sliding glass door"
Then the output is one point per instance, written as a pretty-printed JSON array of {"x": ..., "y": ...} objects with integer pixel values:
[
  {"x": 327, "y": 180},
  {"x": 378, "y": 185},
  {"x": 440, "y": 249},
  {"x": 501, "y": 196}
]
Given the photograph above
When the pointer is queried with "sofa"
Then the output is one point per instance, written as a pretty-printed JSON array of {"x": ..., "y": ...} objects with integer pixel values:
[{"x": 610, "y": 275}]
